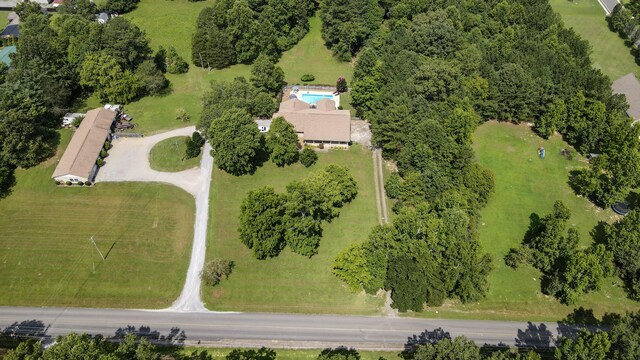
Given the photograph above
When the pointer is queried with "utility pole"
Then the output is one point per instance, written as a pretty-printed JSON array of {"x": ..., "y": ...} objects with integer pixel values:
[{"x": 99, "y": 252}]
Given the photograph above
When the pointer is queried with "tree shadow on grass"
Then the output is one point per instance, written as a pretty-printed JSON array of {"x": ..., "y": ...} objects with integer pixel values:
[
  {"x": 598, "y": 233},
  {"x": 535, "y": 226}
]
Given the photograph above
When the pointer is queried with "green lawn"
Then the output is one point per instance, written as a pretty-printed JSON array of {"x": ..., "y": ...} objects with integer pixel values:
[
  {"x": 311, "y": 56},
  {"x": 168, "y": 155},
  {"x": 290, "y": 282},
  {"x": 157, "y": 113},
  {"x": 587, "y": 18},
  {"x": 526, "y": 184},
  {"x": 3, "y": 19},
  {"x": 48, "y": 260}
]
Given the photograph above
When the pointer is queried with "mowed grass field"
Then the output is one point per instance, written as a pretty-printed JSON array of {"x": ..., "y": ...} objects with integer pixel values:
[
  {"x": 311, "y": 56},
  {"x": 587, "y": 18},
  {"x": 290, "y": 282},
  {"x": 169, "y": 155},
  {"x": 3, "y": 19},
  {"x": 526, "y": 184},
  {"x": 47, "y": 258},
  {"x": 172, "y": 23}
]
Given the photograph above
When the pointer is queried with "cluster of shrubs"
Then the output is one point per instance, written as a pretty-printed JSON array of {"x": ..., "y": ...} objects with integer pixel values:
[
  {"x": 307, "y": 78},
  {"x": 79, "y": 183},
  {"x": 308, "y": 157},
  {"x": 215, "y": 270},
  {"x": 194, "y": 145},
  {"x": 103, "y": 153}
]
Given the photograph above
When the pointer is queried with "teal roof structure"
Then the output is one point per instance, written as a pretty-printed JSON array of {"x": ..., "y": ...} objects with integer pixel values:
[{"x": 5, "y": 52}]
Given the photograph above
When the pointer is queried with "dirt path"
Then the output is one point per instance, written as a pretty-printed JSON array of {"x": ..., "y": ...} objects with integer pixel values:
[
  {"x": 381, "y": 200},
  {"x": 376, "y": 181}
]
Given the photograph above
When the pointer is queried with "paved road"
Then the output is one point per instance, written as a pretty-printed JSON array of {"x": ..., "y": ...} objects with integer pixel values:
[{"x": 275, "y": 330}]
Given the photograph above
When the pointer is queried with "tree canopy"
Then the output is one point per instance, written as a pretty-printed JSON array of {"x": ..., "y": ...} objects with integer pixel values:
[
  {"x": 236, "y": 144},
  {"x": 239, "y": 31},
  {"x": 282, "y": 142},
  {"x": 271, "y": 221}
]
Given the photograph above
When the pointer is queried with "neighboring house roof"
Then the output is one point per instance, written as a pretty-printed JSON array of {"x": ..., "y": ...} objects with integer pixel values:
[
  {"x": 293, "y": 105},
  {"x": 4, "y": 54},
  {"x": 85, "y": 146},
  {"x": 324, "y": 123},
  {"x": 12, "y": 30},
  {"x": 629, "y": 86},
  {"x": 10, "y": 4}
]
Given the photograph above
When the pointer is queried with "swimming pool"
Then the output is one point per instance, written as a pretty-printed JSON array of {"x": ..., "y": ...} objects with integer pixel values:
[{"x": 314, "y": 98}]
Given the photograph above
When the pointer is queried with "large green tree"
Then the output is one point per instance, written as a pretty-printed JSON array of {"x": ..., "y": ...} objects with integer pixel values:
[
  {"x": 587, "y": 346},
  {"x": 623, "y": 240},
  {"x": 236, "y": 143},
  {"x": 102, "y": 73},
  {"x": 125, "y": 42},
  {"x": 347, "y": 25},
  {"x": 447, "y": 349},
  {"x": 282, "y": 142},
  {"x": 261, "y": 224},
  {"x": 266, "y": 76}
]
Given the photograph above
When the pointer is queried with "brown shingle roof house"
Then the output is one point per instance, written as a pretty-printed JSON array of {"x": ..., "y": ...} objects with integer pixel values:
[
  {"x": 78, "y": 163},
  {"x": 318, "y": 124},
  {"x": 629, "y": 86}
]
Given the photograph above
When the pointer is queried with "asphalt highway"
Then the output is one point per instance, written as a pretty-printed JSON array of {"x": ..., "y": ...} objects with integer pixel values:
[{"x": 272, "y": 330}]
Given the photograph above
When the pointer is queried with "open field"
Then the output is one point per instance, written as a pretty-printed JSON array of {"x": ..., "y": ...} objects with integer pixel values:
[
  {"x": 587, "y": 18},
  {"x": 168, "y": 155},
  {"x": 311, "y": 56},
  {"x": 526, "y": 184},
  {"x": 290, "y": 282},
  {"x": 48, "y": 259},
  {"x": 290, "y": 354},
  {"x": 157, "y": 113}
]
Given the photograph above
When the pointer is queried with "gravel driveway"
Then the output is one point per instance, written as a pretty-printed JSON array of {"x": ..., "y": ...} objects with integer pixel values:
[{"x": 129, "y": 161}]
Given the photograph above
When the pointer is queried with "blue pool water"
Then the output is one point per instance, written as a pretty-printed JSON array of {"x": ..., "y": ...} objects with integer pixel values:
[{"x": 314, "y": 98}]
